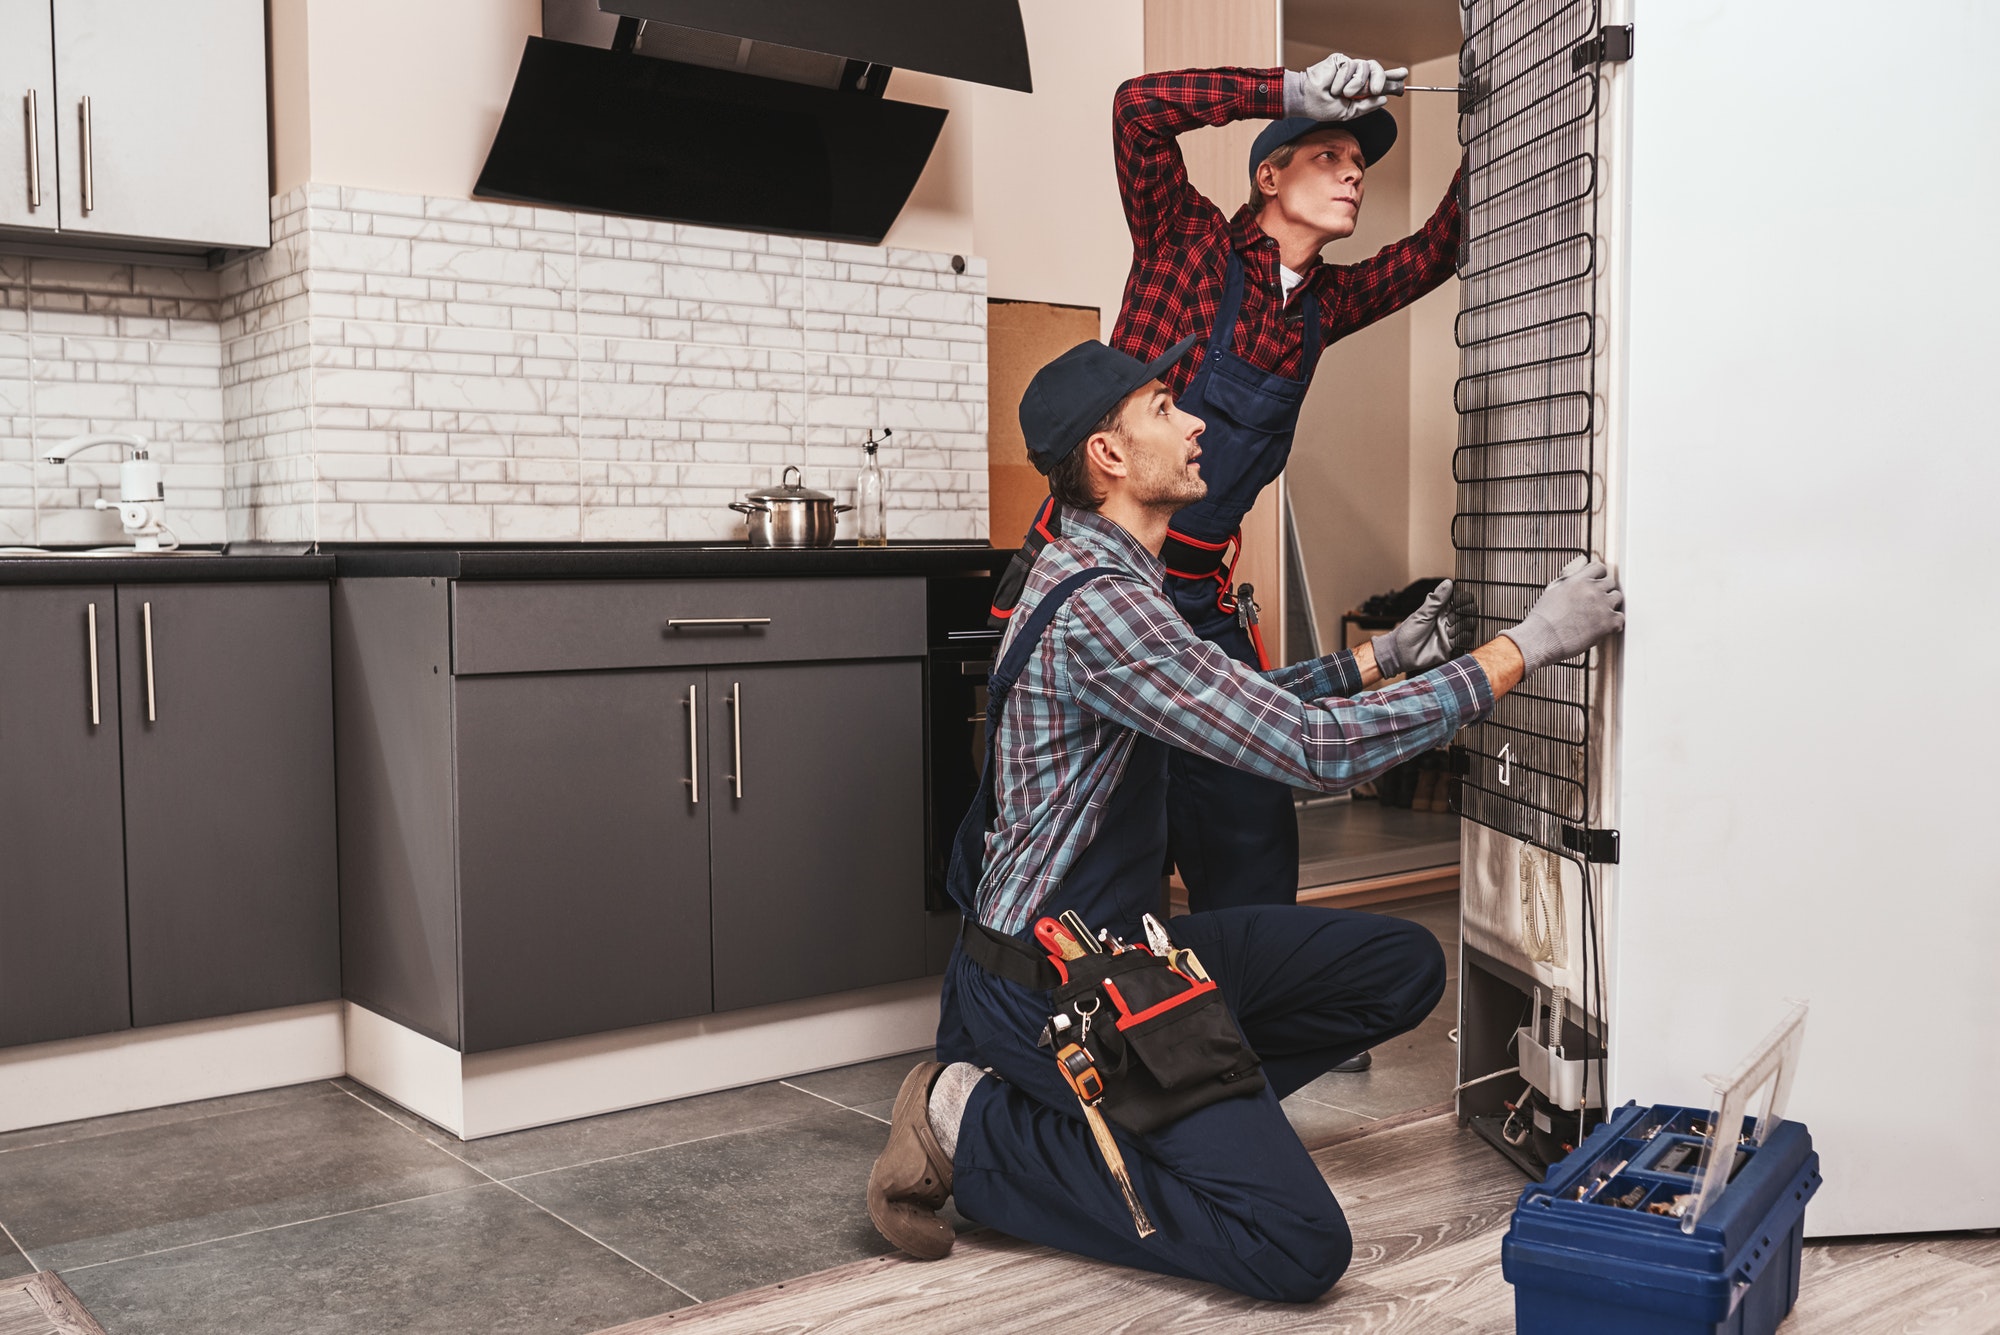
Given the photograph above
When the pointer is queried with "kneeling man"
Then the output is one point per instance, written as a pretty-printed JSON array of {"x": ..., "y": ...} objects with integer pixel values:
[{"x": 1099, "y": 677}]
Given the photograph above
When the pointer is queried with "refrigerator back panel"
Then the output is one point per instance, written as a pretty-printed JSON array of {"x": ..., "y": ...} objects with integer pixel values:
[{"x": 1526, "y": 393}]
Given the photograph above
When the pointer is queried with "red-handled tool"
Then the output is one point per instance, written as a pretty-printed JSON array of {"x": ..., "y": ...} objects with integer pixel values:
[{"x": 1057, "y": 940}]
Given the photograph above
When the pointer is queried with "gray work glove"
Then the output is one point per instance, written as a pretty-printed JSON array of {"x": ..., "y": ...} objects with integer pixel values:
[
  {"x": 1338, "y": 88},
  {"x": 1581, "y": 607},
  {"x": 1431, "y": 636}
]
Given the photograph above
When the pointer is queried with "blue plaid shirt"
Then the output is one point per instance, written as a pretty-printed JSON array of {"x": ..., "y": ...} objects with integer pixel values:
[{"x": 1119, "y": 660}]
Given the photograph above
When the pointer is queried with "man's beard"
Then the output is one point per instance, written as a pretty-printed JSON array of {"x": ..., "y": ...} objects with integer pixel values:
[{"x": 1169, "y": 488}]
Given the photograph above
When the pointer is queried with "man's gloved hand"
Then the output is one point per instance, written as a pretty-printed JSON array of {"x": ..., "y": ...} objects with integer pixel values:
[
  {"x": 1580, "y": 607},
  {"x": 1339, "y": 88},
  {"x": 1431, "y": 636}
]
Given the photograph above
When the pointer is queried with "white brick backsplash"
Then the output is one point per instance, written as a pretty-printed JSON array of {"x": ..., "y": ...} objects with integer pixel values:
[{"x": 401, "y": 368}]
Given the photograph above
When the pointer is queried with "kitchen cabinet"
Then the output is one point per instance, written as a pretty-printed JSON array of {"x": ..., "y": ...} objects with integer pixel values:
[
  {"x": 584, "y": 854},
  {"x": 28, "y": 99},
  {"x": 62, "y": 891},
  {"x": 143, "y": 123},
  {"x": 225, "y": 703},
  {"x": 817, "y": 836},
  {"x": 573, "y": 806}
]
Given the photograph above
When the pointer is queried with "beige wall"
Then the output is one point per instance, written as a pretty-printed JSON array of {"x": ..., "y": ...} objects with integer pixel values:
[
  {"x": 405, "y": 96},
  {"x": 398, "y": 95},
  {"x": 1370, "y": 474}
]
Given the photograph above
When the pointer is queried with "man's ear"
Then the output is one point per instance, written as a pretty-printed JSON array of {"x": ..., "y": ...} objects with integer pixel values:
[
  {"x": 1106, "y": 453},
  {"x": 1267, "y": 180}
]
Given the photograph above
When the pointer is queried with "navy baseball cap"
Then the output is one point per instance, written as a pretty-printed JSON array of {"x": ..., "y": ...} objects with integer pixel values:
[
  {"x": 1375, "y": 132},
  {"x": 1072, "y": 394}
]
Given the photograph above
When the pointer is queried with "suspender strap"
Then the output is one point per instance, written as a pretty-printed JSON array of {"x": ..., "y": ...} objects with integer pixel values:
[
  {"x": 968, "y": 854},
  {"x": 1008, "y": 956},
  {"x": 1001, "y": 683}
]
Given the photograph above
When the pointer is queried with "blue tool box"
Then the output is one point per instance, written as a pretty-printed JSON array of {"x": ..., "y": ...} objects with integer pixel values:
[{"x": 1605, "y": 1243}]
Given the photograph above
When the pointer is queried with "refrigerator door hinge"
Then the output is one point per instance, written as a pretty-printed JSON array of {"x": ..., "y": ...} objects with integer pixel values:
[
  {"x": 1612, "y": 45},
  {"x": 1591, "y": 845}
]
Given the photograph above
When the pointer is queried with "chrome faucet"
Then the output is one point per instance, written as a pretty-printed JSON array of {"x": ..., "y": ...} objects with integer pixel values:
[{"x": 142, "y": 494}]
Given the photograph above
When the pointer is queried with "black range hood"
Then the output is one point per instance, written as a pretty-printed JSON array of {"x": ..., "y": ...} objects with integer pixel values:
[
  {"x": 614, "y": 131},
  {"x": 978, "y": 40}
]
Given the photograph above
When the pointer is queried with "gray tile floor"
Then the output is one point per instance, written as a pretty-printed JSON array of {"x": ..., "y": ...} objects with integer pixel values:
[{"x": 324, "y": 1208}]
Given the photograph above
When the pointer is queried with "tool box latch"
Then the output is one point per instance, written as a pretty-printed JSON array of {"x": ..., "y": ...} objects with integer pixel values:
[{"x": 1612, "y": 45}]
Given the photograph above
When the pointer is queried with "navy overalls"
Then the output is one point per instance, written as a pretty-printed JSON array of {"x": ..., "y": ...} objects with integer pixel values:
[
  {"x": 1237, "y": 1199},
  {"x": 1234, "y": 836}
]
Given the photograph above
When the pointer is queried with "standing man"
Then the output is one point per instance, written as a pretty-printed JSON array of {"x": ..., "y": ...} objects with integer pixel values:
[
  {"x": 1253, "y": 293},
  {"x": 1098, "y": 681}
]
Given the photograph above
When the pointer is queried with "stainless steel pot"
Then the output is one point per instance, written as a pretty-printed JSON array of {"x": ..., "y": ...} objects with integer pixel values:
[{"x": 792, "y": 515}]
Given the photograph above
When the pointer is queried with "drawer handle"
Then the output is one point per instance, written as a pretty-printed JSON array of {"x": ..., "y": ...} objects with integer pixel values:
[
  {"x": 94, "y": 719},
  {"x": 736, "y": 726},
  {"x": 678, "y": 623},
  {"x": 693, "y": 779}
]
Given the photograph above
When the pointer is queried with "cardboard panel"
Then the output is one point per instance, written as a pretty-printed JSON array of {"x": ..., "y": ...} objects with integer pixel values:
[{"x": 1021, "y": 338}]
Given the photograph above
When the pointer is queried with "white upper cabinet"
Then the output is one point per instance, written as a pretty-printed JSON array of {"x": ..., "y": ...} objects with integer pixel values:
[
  {"x": 158, "y": 117},
  {"x": 27, "y": 116}
]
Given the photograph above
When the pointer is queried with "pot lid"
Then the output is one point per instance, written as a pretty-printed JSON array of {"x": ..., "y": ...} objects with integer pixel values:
[{"x": 790, "y": 491}]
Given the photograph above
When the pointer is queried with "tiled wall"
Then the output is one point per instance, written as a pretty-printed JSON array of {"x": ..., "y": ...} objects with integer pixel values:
[
  {"x": 86, "y": 346},
  {"x": 398, "y": 368}
]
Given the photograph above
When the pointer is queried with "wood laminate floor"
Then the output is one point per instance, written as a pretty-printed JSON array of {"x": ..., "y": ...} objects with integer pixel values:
[
  {"x": 42, "y": 1305},
  {"x": 1428, "y": 1204}
]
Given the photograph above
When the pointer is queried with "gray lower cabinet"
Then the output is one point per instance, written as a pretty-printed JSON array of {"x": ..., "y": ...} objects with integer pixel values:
[
  {"x": 571, "y": 807},
  {"x": 62, "y": 860},
  {"x": 226, "y": 709},
  {"x": 583, "y": 854},
  {"x": 816, "y": 828}
]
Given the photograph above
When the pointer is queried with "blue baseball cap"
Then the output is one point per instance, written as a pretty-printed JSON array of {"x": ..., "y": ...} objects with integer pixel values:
[
  {"x": 1072, "y": 394},
  {"x": 1375, "y": 132}
]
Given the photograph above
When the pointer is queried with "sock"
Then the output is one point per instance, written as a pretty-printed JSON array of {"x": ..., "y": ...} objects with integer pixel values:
[{"x": 949, "y": 1093}]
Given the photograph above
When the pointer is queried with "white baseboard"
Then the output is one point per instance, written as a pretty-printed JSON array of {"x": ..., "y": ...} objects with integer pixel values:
[
  {"x": 486, "y": 1093},
  {"x": 171, "y": 1063},
  {"x": 482, "y": 1094}
]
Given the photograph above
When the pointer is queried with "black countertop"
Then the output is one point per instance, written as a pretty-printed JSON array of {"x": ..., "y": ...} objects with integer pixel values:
[
  {"x": 663, "y": 561},
  {"x": 189, "y": 566},
  {"x": 660, "y": 561}
]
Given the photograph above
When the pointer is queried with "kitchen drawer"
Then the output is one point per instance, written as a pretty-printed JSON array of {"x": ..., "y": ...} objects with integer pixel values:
[{"x": 574, "y": 625}]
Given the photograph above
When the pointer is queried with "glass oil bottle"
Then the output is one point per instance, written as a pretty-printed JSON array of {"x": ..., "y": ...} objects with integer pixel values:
[{"x": 871, "y": 516}]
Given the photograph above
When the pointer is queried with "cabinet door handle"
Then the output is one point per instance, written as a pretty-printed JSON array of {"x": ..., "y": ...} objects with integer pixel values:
[
  {"x": 694, "y": 748},
  {"x": 146, "y": 615},
  {"x": 94, "y": 720},
  {"x": 89, "y": 172},
  {"x": 676, "y": 623},
  {"x": 34, "y": 151},
  {"x": 736, "y": 726}
]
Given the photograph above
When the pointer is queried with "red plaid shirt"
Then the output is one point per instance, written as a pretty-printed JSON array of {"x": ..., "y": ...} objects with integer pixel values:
[{"x": 1179, "y": 263}]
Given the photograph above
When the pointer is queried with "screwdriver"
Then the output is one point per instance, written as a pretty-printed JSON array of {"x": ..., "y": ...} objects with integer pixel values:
[{"x": 1395, "y": 87}]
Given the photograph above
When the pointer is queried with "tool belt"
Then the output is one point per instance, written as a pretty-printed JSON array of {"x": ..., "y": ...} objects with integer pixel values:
[{"x": 1161, "y": 1041}]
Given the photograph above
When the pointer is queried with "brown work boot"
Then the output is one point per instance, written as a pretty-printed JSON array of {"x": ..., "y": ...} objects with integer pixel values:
[{"x": 912, "y": 1176}]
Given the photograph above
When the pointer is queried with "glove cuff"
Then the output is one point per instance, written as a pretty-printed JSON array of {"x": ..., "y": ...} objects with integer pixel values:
[
  {"x": 1385, "y": 655},
  {"x": 1295, "y": 93},
  {"x": 1537, "y": 643}
]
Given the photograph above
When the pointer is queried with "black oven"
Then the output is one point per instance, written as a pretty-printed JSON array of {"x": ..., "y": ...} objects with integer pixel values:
[{"x": 959, "y": 658}]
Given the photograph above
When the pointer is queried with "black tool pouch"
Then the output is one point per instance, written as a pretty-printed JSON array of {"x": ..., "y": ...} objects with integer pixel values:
[{"x": 1165, "y": 1044}]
